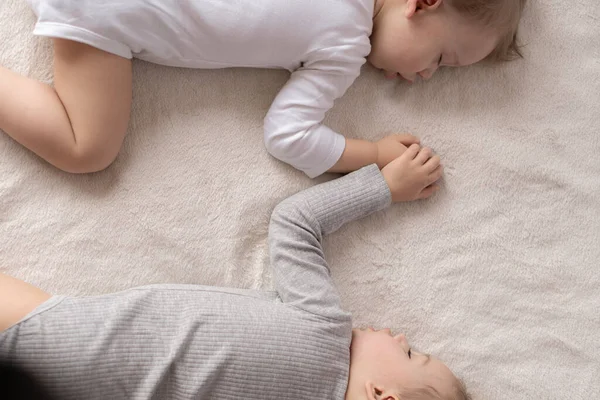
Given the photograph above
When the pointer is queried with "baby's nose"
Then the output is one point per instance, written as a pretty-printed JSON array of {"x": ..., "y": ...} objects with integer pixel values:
[{"x": 426, "y": 74}]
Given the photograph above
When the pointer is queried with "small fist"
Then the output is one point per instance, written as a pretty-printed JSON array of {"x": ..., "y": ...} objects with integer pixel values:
[
  {"x": 412, "y": 176},
  {"x": 391, "y": 147}
]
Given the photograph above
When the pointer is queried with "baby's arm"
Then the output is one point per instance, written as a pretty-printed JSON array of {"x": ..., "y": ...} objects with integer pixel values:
[
  {"x": 298, "y": 224},
  {"x": 17, "y": 299},
  {"x": 294, "y": 132},
  {"x": 359, "y": 153}
]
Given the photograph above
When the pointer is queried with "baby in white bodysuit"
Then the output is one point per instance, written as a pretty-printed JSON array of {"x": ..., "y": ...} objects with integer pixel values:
[{"x": 79, "y": 124}]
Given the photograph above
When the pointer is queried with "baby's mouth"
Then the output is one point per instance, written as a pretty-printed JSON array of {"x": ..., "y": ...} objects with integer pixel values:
[
  {"x": 390, "y": 75},
  {"x": 406, "y": 79}
]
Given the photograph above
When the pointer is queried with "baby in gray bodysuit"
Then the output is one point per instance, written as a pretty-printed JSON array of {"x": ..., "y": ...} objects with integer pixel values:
[{"x": 195, "y": 342}]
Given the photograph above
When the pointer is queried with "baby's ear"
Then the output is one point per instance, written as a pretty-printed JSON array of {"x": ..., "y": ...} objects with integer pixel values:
[
  {"x": 416, "y": 6},
  {"x": 377, "y": 392}
]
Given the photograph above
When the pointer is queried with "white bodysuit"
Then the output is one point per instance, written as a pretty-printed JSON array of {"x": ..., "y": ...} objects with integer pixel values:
[{"x": 323, "y": 42}]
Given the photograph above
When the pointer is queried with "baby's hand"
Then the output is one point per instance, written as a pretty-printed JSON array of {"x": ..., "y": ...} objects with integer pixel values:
[
  {"x": 413, "y": 175},
  {"x": 391, "y": 147}
]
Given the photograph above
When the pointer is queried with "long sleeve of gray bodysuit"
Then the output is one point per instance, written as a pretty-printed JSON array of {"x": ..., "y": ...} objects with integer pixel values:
[
  {"x": 183, "y": 342},
  {"x": 298, "y": 224}
]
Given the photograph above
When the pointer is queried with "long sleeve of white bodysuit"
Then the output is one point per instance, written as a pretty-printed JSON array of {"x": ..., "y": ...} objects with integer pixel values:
[{"x": 294, "y": 130}]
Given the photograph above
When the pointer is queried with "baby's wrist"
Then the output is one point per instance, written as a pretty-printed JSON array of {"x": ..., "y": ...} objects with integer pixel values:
[{"x": 378, "y": 152}]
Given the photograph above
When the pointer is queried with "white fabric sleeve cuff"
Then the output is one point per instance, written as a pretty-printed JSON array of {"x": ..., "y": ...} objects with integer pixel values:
[{"x": 333, "y": 146}]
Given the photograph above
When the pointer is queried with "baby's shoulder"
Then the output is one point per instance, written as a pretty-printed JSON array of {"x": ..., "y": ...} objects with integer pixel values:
[
  {"x": 326, "y": 15},
  {"x": 355, "y": 14}
]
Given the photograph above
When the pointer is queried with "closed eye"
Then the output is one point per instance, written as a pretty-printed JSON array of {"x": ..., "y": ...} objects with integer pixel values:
[
  {"x": 440, "y": 60},
  {"x": 409, "y": 353}
]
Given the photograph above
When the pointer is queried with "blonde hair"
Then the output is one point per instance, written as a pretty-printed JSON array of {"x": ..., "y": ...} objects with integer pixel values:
[
  {"x": 502, "y": 15},
  {"x": 430, "y": 393}
]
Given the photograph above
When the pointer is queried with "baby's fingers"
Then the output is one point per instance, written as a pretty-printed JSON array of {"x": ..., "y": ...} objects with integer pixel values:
[
  {"x": 411, "y": 152},
  {"x": 407, "y": 139},
  {"x": 424, "y": 155},
  {"x": 428, "y": 191},
  {"x": 436, "y": 174},
  {"x": 432, "y": 163}
]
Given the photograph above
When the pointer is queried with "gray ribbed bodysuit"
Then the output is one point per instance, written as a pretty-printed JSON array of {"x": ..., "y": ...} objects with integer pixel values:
[{"x": 194, "y": 342}]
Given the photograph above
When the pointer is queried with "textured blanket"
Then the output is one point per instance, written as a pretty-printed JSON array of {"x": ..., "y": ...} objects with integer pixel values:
[{"x": 498, "y": 274}]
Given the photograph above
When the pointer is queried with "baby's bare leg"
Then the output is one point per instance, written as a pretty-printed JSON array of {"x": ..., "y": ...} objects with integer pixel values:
[
  {"x": 79, "y": 126},
  {"x": 17, "y": 299}
]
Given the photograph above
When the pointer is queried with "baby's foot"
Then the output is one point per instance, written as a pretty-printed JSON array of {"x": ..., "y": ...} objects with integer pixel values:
[{"x": 412, "y": 176}]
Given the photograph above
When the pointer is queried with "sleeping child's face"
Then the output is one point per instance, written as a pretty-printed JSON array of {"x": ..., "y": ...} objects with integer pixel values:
[
  {"x": 383, "y": 366},
  {"x": 415, "y": 37}
]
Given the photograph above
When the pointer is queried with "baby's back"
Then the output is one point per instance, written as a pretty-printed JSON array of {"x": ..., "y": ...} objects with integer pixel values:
[
  {"x": 212, "y": 33},
  {"x": 181, "y": 342}
]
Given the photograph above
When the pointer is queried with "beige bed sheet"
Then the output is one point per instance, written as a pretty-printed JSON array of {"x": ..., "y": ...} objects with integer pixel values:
[{"x": 499, "y": 274}]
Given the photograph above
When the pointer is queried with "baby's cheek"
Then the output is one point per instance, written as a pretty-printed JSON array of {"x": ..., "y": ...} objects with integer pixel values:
[
  {"x": 412, "y": 58},
  {"x": 404, "y": 61},
  {"x": 377, "y": 57}
]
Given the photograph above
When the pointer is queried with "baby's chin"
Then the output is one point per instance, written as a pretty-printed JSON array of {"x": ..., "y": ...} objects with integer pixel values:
[{"x": 356, "y": 335}]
